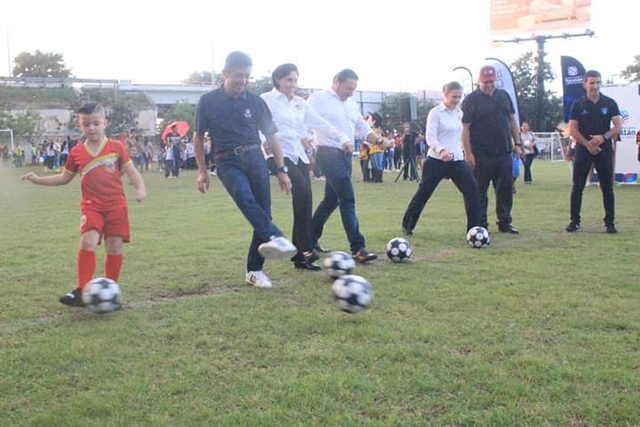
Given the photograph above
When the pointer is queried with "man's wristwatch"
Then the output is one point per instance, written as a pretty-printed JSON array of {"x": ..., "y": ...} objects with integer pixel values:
[
  {"x": 310, "y": 151},
  {"x": 284, "y": 169}
]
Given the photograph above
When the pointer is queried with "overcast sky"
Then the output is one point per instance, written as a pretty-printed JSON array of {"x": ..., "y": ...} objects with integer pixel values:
[{"x": 393, "y": 45}]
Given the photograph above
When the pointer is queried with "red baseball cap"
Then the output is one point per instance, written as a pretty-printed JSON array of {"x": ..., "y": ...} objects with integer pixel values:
[{"x": 488, "y": 74}]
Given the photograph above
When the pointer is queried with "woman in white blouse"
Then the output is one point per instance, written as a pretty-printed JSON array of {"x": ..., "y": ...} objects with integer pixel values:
[
  {"x": 445, "y": 159},
  {"x": 529, "y": 147},
  {"x": 294, "y": 119}
]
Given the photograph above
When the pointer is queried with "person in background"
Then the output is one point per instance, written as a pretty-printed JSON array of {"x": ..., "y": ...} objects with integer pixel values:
[
  {"x": 363, "y": 156},
  {"x": 530, "y": 150}
]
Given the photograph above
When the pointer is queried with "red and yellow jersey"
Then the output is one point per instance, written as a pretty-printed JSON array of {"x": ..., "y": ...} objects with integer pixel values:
[{"x": 100, "y": 173}]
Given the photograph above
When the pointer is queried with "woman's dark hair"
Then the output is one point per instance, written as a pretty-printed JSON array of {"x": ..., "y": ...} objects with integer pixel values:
[{"x": 282, "y": 71}]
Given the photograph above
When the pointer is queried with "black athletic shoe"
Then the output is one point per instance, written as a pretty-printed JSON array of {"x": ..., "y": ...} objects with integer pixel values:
[
  {"x": 305, "y": 265},
  {"x": 508, "y": 228},
  {"x": 407, "y": 232},
  {"x": 363, "y": 256},
  {"x": 73, "y": 298},
  {"x": 611, "y": 229},
  {"x": 572, "y": 227}
]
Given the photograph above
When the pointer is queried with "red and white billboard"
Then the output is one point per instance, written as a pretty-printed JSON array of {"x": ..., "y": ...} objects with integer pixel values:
[{"x": 526, "y": 16}]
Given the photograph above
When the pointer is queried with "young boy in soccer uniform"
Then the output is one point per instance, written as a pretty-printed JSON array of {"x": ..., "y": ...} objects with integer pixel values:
[{"x": 100, "y": 162}]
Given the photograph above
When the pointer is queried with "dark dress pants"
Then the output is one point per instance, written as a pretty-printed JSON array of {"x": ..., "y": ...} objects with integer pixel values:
[
  {"x": 302, "y": 200},
  {"x": 433, "y": 171},
  {"x": 246, "y": 179},
  {"x": 338, "y": 191},
  {"x": 496, "y": 169},
  {"x": 603, "y": 163}
]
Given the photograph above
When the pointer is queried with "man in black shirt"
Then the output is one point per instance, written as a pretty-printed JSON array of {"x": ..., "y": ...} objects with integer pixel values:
[
  {"x": 232, "y": 116},
  {"x": 488, "y": 127},
  {"x": 590, "y": 126}
]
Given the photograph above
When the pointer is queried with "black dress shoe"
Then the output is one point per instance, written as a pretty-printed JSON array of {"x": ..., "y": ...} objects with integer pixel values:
[
  {"x": 573, "y": 227},
  {"x": 611, "y": 229},
  {"x": 311, "y": 256},
  {"x": 363, "y": 256},
  {"x": 508, "y": 228},
  {"x": 407, "y": 232},
  {"x": 311, "y": 266},
  {"x": 320, "y": 249}
]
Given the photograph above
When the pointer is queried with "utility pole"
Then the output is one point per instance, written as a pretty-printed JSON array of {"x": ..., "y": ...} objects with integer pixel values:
[{"x": 540, "y": 40}]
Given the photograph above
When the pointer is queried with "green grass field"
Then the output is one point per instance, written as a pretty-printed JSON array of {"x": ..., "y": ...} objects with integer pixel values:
[{"x": 538, "y": 329}]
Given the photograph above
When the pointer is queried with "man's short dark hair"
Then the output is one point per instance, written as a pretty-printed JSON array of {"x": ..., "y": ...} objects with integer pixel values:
[
  {"x": 91, "y": 108},
  {"x": 345, "y": 75},
  {"x": 591, "y": 73},
  {"x": 282, "y": 71},
  {"x": 237, "y": 59}
]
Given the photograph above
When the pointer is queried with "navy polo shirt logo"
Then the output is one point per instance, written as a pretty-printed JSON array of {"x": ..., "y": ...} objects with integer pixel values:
[
  {"x": 604, "y": 110},
  {"x": 247, "y": 113},
  {"x": 584, "y": 111}
]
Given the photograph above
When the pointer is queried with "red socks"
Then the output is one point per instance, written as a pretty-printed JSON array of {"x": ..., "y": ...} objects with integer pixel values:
[
  {"x": 86, "y": 267},
  {"x": 112, "y": 267}
]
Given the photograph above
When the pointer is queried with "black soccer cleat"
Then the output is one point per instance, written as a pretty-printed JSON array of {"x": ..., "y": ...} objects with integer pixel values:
[
  {"x": 573, "y": 227},
  {"x": 73, "y": 298}
]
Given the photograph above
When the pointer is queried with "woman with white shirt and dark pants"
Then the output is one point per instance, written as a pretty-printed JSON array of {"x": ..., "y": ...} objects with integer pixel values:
[
  {"x": 294, "y": 117},
  {"x": 445, "y": 159}
]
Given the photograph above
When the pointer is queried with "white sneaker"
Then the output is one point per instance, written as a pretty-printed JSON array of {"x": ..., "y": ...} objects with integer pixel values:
[
  {"x": 278, "y": 247},
  {"x": 258, "y": 279}
]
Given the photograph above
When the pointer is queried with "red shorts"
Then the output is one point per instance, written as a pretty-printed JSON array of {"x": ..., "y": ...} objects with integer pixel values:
[{"x": 112, "y": 222}]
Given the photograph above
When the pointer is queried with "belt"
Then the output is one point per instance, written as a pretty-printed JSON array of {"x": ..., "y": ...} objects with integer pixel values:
[
  {"x": 237, "y": 151},
  {"x": 331, "y": 149}
]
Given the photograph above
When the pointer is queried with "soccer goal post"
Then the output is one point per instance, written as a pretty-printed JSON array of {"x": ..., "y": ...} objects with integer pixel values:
[{"x": 6, "y": 138}]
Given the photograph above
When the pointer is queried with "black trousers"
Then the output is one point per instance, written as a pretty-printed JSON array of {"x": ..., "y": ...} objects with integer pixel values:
[
  {"x": 433, "y": 171},
  {"x": 302, "y": 201},
  {"x": 603, "y": 163},
  {"x": 497, "y": 169}
]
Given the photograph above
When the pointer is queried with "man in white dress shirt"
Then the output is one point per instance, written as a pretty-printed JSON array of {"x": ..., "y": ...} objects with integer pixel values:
[
  {"x": 445, "y": 159},
  {"x": 335, "y": 159}
]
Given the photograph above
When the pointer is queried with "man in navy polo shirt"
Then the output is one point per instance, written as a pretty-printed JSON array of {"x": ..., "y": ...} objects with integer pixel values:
[
  {"x": 590, "y": 126},
  {"x": 489, "y": 126},
  {"x": 232, "y": 116}
]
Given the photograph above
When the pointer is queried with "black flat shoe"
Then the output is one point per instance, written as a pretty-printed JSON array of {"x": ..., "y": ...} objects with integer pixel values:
[
  {"x": 508, "y": 229},
  {"x": 311, "y": 266}
]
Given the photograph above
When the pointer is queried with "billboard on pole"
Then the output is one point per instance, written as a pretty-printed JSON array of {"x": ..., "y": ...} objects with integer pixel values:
[{"x": 524, "y": 16}]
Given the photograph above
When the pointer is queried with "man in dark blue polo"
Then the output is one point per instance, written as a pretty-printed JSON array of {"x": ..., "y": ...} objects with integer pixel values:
[
  {"x": 488, "y": 126},
  {"x": 232, "y": 116},
  {"x": 590, "y": 126}
]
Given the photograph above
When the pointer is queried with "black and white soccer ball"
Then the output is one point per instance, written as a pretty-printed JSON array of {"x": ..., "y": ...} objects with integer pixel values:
[
  {"x": 352, "y": 293},
  {"x": 399, "y": 249},
  {"x": 101, "y": 295},
  {"x": 478, "y": 237},
  {"x": 338, "y": 264}
]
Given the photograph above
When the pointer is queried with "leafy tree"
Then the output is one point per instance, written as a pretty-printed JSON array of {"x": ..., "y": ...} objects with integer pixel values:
[
  {"x": 203, "y": 78},
  {"x": 24, "y": 125},
  {"x": 392, "y": 117},
  {"x": 40, "y": 64},
  {"x": 540, "y": 107},
  {"x": 632, "y": 72},
  {"x": 181, "y": 111}
]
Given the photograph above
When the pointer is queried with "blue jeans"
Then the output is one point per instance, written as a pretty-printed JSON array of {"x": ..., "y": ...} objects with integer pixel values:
[
  {"x": 246, "y": 179},
  {"x": 338, "y": 191},
  {"x": 377, "y": 161}
]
